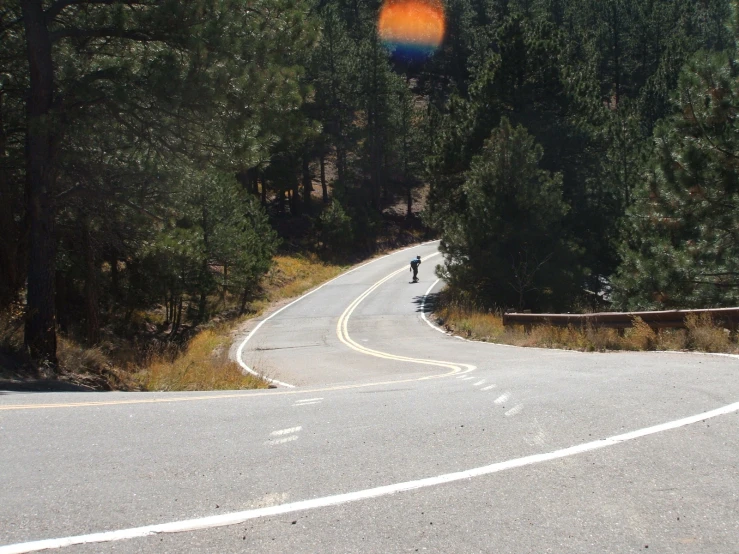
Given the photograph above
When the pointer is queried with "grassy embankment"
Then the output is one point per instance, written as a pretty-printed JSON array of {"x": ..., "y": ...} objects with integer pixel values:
[
  {"x": 200, "y": 364},
  {"x": 467, "y": 321},
  {"x": 204, "y": 364}
]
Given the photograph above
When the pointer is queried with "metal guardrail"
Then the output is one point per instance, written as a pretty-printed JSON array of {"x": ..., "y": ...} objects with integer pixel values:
[{"x": 728, "y": 317}]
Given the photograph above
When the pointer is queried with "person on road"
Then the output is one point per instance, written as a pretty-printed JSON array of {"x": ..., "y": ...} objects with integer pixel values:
[{"x": 415, "y": 262}]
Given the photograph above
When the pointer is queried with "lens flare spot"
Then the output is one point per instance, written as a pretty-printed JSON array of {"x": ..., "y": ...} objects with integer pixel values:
[{"x": 412, "y": 27}]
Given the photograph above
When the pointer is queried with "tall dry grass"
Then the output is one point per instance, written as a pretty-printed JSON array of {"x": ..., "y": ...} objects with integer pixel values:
[
  {"x": 91, "y": 367},
  {"x": 204, "y": 365},
  {"x": 701, "y": 334}
]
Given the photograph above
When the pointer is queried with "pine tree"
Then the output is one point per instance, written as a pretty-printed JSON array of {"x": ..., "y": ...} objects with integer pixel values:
[
  {"x": 198, "y": 82},
  {"x": 508, "y": 248},
  {"x": 682, "y": 235}
]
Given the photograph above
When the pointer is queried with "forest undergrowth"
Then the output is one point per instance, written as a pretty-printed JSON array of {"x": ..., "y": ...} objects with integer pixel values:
[{"x": 150, "y": 359}]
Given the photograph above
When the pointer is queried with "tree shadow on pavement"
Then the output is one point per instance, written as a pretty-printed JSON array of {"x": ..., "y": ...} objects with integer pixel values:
[{"x": 426, "y": 304}]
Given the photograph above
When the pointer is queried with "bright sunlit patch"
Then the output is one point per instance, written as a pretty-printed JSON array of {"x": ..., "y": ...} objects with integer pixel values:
[{"x": 412, "y": 28}]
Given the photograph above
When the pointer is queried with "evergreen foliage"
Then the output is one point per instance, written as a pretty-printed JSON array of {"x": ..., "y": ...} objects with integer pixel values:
[
  {"x": 147, "y": 150},
  {"x": 507, "y": 247},
  {"x": 682, "y": 234}
]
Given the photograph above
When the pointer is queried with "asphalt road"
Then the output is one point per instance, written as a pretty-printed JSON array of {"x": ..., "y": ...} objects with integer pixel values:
[{"x": 393, "y": 438}]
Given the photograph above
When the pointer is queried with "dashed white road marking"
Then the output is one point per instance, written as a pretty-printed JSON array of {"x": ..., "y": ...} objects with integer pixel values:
[
  {"x": 308, "y": 402},
  {"x": 282, "y": 432},
  {"x": 478, "y": 383},
  {"x": 513, "y": 411},
  {"x": 502, "y": 398},
  {"x": 235, "y": 518},
  {"x": 275, "y": 442},
  {"x": 489, "y": 387}
]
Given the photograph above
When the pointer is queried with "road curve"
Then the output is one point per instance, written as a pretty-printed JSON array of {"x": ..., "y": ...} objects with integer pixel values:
[{"x": 394, "y": 438}]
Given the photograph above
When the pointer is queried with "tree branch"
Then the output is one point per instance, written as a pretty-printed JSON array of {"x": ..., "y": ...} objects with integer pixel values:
[
  {"x": 59, "y": 6},
  {"x": 109, "y": 32}
]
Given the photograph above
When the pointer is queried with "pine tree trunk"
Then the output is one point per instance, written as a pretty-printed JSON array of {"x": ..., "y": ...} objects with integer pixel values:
[
  {"x": 244, "y": 295},
  {"x": 225, "y": 283},
  {"x": 177, "y": 317},
  {"x": 307, "y": 184},
  {"x": 295, "y": 207},
  {"x": 281, "y": 201},
  {"x": 9, "y": 270},
  {"x": 341, "y": 164},
  {"x": 91, "y": 284},
  {"x": 114, "y": 281},
  {"x": 205, "y": 269},
  {"x": 324, "y": 186},
  {"x": 40, "y": 332},
  {"x": 60, "y": 301}
]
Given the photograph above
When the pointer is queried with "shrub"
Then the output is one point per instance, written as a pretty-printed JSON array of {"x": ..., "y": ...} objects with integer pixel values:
[
  {"x": 706, "y": 336},
  {"x": 640, "y": 336},
  {"x": 336, "y": 228}
]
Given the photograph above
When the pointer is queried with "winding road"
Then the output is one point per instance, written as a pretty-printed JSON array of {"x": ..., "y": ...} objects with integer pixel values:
[{"x": 384, "y": 434}]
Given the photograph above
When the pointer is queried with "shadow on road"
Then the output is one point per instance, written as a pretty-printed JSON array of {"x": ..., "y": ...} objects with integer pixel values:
[{"x": 428, "y": 306}]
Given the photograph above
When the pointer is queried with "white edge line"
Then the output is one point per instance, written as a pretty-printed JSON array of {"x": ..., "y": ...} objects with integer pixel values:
[
  {"x": 240, "y": 351},
  {"x": 423, "y": 309},
  {"x": 240, "y": 517}
]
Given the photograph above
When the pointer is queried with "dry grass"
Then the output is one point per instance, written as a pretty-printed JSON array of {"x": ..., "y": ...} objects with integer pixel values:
[
  {"x": 204, "y": 365},
  {"x": 706, "y": 336},
  {"x": 90, "y": 367},
  {"x": 701, "y": 334},
  {"x": 293, "y": 275}
]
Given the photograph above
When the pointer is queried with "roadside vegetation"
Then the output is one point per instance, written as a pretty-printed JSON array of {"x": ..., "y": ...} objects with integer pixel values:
[
  {"x": 468, "y": 321},
  {"x": 167, "y": 167},
  {"x": 155, "y": 362}
]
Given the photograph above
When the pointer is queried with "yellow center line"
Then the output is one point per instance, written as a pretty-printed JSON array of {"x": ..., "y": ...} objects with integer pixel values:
[{"x": 342, "y": 331}]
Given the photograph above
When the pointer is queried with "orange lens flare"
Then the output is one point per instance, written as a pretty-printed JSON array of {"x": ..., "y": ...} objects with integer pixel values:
[{"x": 412, "y": 23}]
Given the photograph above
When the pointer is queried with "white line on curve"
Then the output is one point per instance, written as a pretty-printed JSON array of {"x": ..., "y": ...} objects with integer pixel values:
[
  {"x": 423, "y": 309},
  {"x": 342, "y": 331},
  {"x": 240, "y": 350},
  {"x": 305, "y": 400},
  {"x": 489, "y": 387},
  {"x": 240, "y": 517}
]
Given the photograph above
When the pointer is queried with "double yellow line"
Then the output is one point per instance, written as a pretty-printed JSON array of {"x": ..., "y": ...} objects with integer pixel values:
[{"x": 342, "y": 331}]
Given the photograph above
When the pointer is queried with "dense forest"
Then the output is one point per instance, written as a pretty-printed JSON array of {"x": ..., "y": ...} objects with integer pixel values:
[{"x": 570, "y": 154}]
